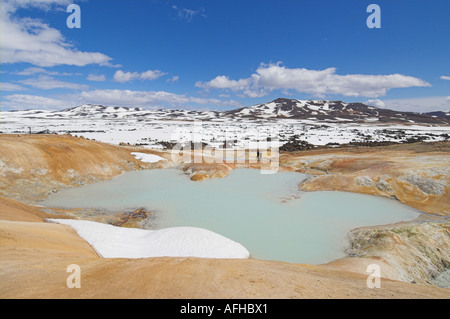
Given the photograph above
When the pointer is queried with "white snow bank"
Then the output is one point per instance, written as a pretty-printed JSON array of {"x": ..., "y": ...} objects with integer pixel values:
[
  {"x": 117, "y": 242},
  {"x": 148, "y": 158}
]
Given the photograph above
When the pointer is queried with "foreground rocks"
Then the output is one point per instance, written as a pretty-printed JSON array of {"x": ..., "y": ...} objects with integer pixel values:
[
  {"x": 415, "y": 174},
  {"x": 418, "y": 251},
  {"x": 201, "y": 171},
  {"x": 132, "y": 219}
]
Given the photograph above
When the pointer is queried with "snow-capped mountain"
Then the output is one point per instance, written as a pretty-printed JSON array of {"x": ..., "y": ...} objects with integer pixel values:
[
  {"x": 100, "y": 111},
  {"x": 334, "y": 111},
  {"x": 95, "y": 110},
  {"x": 307, "y": 121},
  {"x": 281, "y": 108}
]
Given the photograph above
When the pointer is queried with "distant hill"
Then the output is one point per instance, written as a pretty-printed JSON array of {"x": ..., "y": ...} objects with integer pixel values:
[
  {"x": 281, "y": 108},
  {"x": 335, "y": 111}
]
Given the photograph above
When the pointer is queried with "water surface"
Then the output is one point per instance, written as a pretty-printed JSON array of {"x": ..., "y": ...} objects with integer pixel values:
[{"x": 264, "y": 212}]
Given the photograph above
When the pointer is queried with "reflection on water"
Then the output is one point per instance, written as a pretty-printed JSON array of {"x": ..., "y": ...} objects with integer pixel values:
[{"x": 265, "y": 213}]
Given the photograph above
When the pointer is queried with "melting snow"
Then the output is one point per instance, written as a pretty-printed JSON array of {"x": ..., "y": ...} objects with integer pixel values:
[
  {"x": 118, "y": 242},
  {"x": 148, "y": 158}
]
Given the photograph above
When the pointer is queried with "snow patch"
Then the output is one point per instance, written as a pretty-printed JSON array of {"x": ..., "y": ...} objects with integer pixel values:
[
  {"x": 117, "y": 242},
  {"x": 148, "y": 158}
]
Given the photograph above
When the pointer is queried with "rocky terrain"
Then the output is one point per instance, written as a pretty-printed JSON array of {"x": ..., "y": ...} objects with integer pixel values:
[
  {"x": 416, "y": 174},
  {"x": 33, "y": 166},
  {"x": 418, "y": 251},
  {"x": 38, "y": 253},
  {"x": 201, "y": 171}
]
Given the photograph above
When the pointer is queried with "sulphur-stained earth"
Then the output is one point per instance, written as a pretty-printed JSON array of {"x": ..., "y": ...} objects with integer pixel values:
[
  {"x": 35, "y": 254},
  {"x": 416, "y": 174}
]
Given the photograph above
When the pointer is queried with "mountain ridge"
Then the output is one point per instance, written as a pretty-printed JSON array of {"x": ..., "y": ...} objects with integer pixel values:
[
  {"x": 329, "y": 110},
  {"x": 278, "y": 109}
]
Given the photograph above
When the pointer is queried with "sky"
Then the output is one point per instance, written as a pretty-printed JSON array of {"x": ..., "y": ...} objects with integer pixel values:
[{"x": 224, "y": 54}]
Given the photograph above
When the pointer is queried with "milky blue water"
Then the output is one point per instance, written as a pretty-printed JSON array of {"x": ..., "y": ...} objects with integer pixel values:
[{"x": 264, "y": 212}]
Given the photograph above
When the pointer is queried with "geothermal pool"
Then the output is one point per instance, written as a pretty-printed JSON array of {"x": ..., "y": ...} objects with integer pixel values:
[{"x": 266, "y": 213}]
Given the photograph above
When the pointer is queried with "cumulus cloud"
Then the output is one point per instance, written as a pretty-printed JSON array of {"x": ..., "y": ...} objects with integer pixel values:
[
  {"x": 122, "y": 77},
  {"x": 33, "y": 41},
  {"x": 445, "y": 77},
  {"x": 46, "y": 82},
  {"x": 151, "y": 75},
  {"x": 96, "y": 77},
  {"x": 320, "y": 83}
]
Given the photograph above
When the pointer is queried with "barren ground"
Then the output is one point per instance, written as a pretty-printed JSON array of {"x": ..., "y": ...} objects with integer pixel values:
[{"x": 35, "y": 255}]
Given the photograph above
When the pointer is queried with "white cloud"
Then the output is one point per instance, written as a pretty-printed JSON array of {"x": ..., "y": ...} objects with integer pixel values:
[
  {"x": 25, "y": 102},
  {"x": 173, "y": 79},
  {"x": 268, "y": 78},
  {"x": 96, "y": 77},
  {"x": 145, "y": 98},
  {"x": 377, "y": 103},
  {"x": 420, "y": 105},
  {"x": 224, "y": 82},
  {"x": 40, "y": 4},
  {"x": 33, "y": 41},
  {"x": 445, "y": 77},
  {"x": 36, "y": 70},
  {"x": 151, "y": 75},
  {"x": 247, "y": 86},
  {"x": 189, "y": 14},
  {"x": 46, "y": 82},
  {"x": 122, "y": 77},
  {"x": 4, "y": 86}
]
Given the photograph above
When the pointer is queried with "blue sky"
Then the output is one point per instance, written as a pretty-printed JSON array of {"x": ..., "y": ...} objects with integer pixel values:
[{"x": 223, "y": 54}]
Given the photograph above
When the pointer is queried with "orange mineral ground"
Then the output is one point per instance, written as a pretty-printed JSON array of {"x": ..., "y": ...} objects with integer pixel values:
[{"x": 34, "y": 254}]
